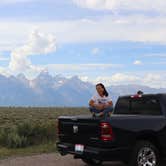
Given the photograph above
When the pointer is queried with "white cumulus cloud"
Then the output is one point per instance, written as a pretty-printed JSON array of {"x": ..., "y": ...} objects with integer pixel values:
[
  {"x": 156, "y": 79},
  {"x": 95, "y": 51},
  {"x": 117, "y": 79},
  {"x": 120, "y": 77},
  {"x": 127, "y": 5},
  {"x": 38, "y": 43},
  {"x": 3, "y": 58},
  {"x": 82, "y": 67},
  {"x": 135, "y": 28},
  {"x": 137, "y": 62}
]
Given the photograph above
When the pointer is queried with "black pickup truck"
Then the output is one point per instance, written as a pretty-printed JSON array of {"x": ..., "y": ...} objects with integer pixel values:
[{"x": 135, "y": 133}]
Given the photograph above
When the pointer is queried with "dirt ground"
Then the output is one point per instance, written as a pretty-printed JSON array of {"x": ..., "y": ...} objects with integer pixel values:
[
  {"x": 53, "y": 159},
  {"x": 48, "y": 160}
]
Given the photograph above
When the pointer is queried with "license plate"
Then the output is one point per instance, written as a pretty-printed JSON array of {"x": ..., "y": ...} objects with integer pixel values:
[{"x": 79, "y": 148}]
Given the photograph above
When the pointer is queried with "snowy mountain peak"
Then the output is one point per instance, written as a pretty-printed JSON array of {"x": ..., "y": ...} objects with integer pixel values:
[
  {"x": 46, "y": 90},
  {"x": 21, "y": 76},
  {"x": 44, "y": 75}
]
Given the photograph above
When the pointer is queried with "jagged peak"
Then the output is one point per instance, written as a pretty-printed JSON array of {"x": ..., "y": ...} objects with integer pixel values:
[
  {"x": 75, "y": 78},
  {"x": 21, "y": 76},
  {"x": 44, "y": 75}
]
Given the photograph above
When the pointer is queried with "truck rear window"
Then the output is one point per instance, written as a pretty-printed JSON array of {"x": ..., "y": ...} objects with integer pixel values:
[{"x": 142, "y": 106}]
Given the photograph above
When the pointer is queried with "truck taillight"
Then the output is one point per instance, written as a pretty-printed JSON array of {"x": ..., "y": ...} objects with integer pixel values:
[{"x": 106, "y": 131}]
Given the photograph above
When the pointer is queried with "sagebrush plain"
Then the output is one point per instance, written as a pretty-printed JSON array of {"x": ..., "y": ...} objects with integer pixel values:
[{"x": 31, "y": 130}]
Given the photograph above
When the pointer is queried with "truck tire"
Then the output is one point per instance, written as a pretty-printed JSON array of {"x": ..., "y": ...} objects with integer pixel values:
[
  {"x": 145, "y": 154},
  {"x": 92, "y": 162}
]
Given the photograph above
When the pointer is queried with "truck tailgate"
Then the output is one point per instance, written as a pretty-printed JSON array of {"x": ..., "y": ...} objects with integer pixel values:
[{"x": 81, "y": 130}]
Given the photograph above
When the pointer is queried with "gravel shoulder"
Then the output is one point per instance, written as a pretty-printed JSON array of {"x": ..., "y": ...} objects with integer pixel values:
[
  {"x": 47, "y": 160},
  {"x": 51, "y": 159}
]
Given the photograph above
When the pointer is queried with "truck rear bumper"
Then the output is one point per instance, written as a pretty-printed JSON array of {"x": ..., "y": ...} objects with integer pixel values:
[{"x": 105, "y": 154}]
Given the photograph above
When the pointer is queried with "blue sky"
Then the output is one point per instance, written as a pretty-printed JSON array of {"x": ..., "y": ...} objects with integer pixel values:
[{"x": 114, "y": 42}]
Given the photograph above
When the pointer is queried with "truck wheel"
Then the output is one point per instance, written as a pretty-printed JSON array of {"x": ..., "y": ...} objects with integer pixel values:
[
  {"x": 145, "y": 154},
  {"x": 92, "y": 161}
]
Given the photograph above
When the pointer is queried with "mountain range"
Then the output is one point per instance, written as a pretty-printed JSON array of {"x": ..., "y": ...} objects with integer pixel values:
[{"x": 46, "y": 90}]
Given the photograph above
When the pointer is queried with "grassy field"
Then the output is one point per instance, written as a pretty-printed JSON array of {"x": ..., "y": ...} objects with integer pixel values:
[
  {"x": 13, "y": 115},
  {"x": 30, "y": 130}
]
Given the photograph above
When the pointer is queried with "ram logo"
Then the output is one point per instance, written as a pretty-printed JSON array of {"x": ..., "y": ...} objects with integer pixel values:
[{"x": 75, "y": 129}]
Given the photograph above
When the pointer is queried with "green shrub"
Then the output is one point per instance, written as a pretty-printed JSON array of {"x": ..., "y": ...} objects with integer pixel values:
[
  {"x": 25, "y": 129},
  {"x": 3, "y": 136},
  {"x": 42, "y": 133},
  {"x": 31, "y": 125},
  {"x": 13, "y": 140},
  {"x": 10, "y": 138},
  {"x": 27, "y": 133}
]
